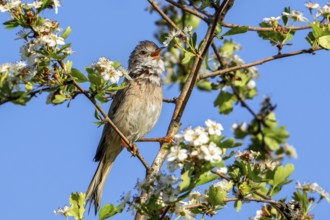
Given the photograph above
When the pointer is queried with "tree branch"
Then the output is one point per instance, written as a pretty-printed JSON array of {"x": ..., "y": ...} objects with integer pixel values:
[
  {"x": 259, "y": 62},
  {"x": 265, "y": 29}
]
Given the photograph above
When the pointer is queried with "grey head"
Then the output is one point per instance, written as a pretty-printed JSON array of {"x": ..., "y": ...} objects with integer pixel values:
[{"x": 145, "y": 62}]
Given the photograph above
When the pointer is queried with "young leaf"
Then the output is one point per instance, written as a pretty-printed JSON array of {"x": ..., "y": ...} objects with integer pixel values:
[
  {"x": 110, "y": 210},
  {"x": 79, "y": 76},
  {"x": 225, "y": 102},
  {"x": 282, "y": 174},
  {"x": 324, "y": 42},
  {"x": 66, "y": 33},
  {"x": 236, "y": 30},
  {"x": 187, "y": 57},
  {"x": 77, "y": 202}
]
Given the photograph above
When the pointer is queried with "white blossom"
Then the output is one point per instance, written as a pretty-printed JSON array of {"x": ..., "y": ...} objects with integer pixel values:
[
  {"x": 223, "y": 184},
  {"x": 271, "y": 20},
  {"x": 237, "y": 60},
  {"x": 181, "y": 211},
  {"x": 295, "y": 15},
  {"x": 324, "y": 11},
  {"x": 35, "y": 4},
  {"x": 62, "y": 211},
  {"x": 52, "y": 40},
  {"x": 213, "y": 127},
  {"x": 268, "y": 165},
  {"x": 243, "y": 126},
  {"x": 314, "y": 187},
  {"x": 311, "y": 5},
  {"x": 57, "y": 4},
  {"x": 222, "y": 170},
  {"x": 211, "y": 152},
  {"x": 257, "y": 216},
  {"x": 196, "y": 137},
  {"x": 171, "y": 36},
  {"x": 107, "y": 70},
  {"x": 196, "y": 197},
  {"x": 187, "y": 29},
  {"x": 9, "y": 5},
  {"x": 177, "y": 153},
  {"x": 290, "y": 151},
  {"x": 251, "y": 84}
]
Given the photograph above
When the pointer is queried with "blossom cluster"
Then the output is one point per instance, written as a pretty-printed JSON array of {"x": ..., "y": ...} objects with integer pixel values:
[
  {"x": 314, "y": 188},
  {"x": 195, "y": 145},
  {"x": 231, "y": 59},
  {"x": 14, "y": 73},
  {"x": 296, "y": 15},
  {"x": 41, "y": 38},
  {"x": 161, "y": 186},
  {"x": 175, "y": 33},
  {"x": 108, "y": 69}
]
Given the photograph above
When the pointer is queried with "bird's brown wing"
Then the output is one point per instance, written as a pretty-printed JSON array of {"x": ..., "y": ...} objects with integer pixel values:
[{"x": 117, "y": 100}]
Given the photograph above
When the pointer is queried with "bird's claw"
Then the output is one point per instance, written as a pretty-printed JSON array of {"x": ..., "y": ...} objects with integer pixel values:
[
  {"x": 131, "y": 148},
  {"x": 167, "y": 139}
]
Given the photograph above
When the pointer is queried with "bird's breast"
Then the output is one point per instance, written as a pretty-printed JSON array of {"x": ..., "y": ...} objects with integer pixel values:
[{"x": 140, "y": 110}]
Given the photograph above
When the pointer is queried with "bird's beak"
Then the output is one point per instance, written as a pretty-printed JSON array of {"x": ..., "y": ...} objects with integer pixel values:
[{"x": 156, "y": 53}]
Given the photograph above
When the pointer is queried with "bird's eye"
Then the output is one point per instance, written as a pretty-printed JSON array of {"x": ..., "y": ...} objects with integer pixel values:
[{"x": 143, "y": 52}]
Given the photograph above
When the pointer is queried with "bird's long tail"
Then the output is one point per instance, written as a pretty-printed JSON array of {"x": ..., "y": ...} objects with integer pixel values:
[{"x": 95, "y": 188}]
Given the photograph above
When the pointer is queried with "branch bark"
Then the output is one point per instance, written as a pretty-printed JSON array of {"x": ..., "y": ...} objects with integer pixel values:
[{"x": 258, "y": 62}]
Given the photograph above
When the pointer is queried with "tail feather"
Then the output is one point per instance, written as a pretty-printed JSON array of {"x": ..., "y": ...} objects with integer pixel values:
[{"x": 95, "y": 189}]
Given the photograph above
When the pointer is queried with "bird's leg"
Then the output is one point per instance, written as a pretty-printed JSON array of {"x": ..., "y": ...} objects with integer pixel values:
[
  {"x": 131, "y": 147},
  {"x": 167, "y": 139}
]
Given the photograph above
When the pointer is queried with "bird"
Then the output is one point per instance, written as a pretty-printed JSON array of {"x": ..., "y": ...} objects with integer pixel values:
[{"x": 134, "y": 110}]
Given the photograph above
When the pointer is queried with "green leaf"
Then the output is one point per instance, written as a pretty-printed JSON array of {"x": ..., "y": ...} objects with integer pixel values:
[
  {"x": 45, "y": 4},
  {"x": 11, "y": 24},
  {"x": 324, "y": 42},
  {"x": 236, "y": 30},
  {"x": 271, "y": 143},
  {"x": 66, "y": 33},
  {"x": 59, "y": 98},
  {"x": 93, "y": 77},
  {"x": 186, "y": 180},
  {"x": 206, "y": 178},
  {"x": 79, "y": 76},
  {"x": 230, "y": 143},
  {"x": 217, "y": 195},
  {"x": 204, "y": 85},
  {"x": 238, "y": 205},
  {"x": 77, "y": 208},
  {"x": 187, "y": 56},
  {"x": 225, "y": 102},
  {"x": 281, "y": 174},
  {"x": 116, "y": 64},
  {"x": 110, "y": 210}
]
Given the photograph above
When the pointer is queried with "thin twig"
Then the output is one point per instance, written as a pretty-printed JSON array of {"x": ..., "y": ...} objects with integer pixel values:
[
  {"x": 204, "y": 17},
  {"x": 170, "y": 100},
  {"x": 220, "y": 175},
  {"x": 166, "y": 18},
  {"x": 159, "y": 140},
  {"x": 265, "y": 29},
  {"x": 188, "y": 10},
  {"x": 259, "y": 62},
  {"x": 31, "y": 94}
]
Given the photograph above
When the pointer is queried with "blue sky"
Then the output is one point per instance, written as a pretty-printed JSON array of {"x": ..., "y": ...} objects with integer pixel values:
[{"x": 47, "y": 151}]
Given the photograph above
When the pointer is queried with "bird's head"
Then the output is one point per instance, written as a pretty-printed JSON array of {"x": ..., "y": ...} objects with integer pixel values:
[{"x": 145, "y": 60}]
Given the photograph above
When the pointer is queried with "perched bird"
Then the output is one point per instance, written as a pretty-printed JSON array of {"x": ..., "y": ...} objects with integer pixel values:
[{"x": 134, "y": 110}]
